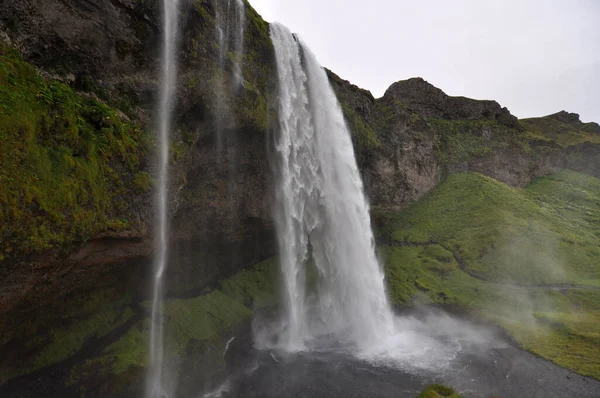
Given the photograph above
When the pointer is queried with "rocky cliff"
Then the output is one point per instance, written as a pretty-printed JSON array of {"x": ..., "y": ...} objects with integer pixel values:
[
  {"x": 415, "y": 135},
  {"x": 79, "y": 83}
]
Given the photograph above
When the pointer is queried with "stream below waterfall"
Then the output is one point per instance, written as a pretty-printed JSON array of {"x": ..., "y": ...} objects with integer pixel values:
[{"x": 476, "y": 360}]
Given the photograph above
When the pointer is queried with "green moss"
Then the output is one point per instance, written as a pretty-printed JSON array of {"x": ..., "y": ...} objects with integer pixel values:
[
  {"x": 256, "y": 288},
  {"x": 438, "y": 391},
  {"x": 550, "y": 130},
  {"x": 67, "y": 341},
  {"x": 202, "y": 318},
  {"x": 412, "y": 270},
  {"x": 505, "y": 233},
  {"x": 385, "y": 118},
  {"x": 363, "y": 134},
  {"x": 257, "y": 29},
  {"x": 190, "y": 325},
  {"x": 177, "y": 152},
  {"x": 258, "y": 70},
  {"x": 131, "y": 351},
  {"x": 252, "y": 106},
  {"x": 64, "y": 160},
  {"x": 570, "y": 339},
  {"x": 200, "y": 325},
  {"x": 459, "y": 140},
  {"x": 142, "y": 182},
  {"x": 78, "y": 323},
  {"x": 126, "y": 360},
  {"x": 507, "y": 255}
]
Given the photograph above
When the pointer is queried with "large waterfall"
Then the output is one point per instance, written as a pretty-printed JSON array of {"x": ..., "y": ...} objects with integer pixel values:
[
  {"x": 155, "y": 386},
  {"x": 322, "y": 214}
]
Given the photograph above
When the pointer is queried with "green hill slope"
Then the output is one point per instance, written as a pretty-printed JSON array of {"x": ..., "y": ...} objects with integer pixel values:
[{"x": 527, "y": 259}]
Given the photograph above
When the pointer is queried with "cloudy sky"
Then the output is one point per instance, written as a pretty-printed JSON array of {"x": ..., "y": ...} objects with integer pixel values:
[{"x": 535, "y": 57}]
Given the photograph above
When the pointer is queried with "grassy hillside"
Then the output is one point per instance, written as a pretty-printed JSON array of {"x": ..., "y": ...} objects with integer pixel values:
[
  {"x": 558, "y": 129},
  {"x": 528, "y": 259}
]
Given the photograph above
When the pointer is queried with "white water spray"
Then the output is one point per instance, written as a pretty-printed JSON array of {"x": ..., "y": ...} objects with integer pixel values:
[
  {"x": 322, "y": 211},
  {"x": 155, "y": 385}
]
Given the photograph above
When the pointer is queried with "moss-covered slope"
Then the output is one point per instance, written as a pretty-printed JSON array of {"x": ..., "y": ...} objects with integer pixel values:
[
  {"x": 563, "y": 129},
  {"x": 69, "y": 164},
  {"x": 101, "y": 345},
  {"x": 528, "y": 259}
]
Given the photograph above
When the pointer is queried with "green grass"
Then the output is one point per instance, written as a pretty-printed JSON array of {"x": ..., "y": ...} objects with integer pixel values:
[
  {"x": 65, "y": 161},
  {"x": 362, "y": 133},
  {"x": 508, "y": 234},
  {"x": 550, "y": 130},
  {"x": 496, "y": 251},
  {"x": 459, "y": 140}
]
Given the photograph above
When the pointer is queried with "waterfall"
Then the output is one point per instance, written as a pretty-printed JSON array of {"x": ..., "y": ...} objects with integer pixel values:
[
  {"x": 240, "y": 31},
  {"x": 156, "y": 377},
  {"x": 231, "y": 29},
  {"x": 322, "y": 215}
]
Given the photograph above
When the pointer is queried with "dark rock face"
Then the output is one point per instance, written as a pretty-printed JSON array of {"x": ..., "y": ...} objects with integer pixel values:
[
  {"x": 566, "y": 117},
  {"x": 84, "y": 36},
  {"x": 423, "y": 98},
  {"x": 424, "y": 134},
  {"x": 220, "y": 201},
  {"x": 107, "y": 42},
  {"x": 112, "y": 48},
  {"x": 405, "y": 168}
]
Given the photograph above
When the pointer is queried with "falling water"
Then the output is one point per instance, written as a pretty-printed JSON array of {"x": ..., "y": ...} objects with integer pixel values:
[
  {"x": 322, "y": 213},
  {"x": 156, "y": 377},
  {"x": 231, "y": 28},
  {"x": 240, "y": 31}
]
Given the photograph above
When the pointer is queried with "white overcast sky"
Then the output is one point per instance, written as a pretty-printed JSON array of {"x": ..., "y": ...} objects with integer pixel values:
[{"x": 535, "y": 57}]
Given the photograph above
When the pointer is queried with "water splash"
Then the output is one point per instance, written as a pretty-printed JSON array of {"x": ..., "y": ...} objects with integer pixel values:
[
  {"x": 155, "y": 386},
  {"x": 322, "y": 213}
]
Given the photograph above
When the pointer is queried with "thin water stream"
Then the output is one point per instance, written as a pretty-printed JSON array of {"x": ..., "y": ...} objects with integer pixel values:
[
  {"x": 230, "y": 30},
  {"x": 155, "y": 385}
]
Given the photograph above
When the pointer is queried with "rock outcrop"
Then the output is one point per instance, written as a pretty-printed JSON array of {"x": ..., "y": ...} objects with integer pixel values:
[
  {"x": 418, "y": 96},
  {"x": 417, "y": 135}
]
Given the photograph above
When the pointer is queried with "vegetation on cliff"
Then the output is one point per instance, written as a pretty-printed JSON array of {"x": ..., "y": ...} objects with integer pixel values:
[
  {"x": 561, "y": 129},
  {"x": 67, "y": 162}
]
